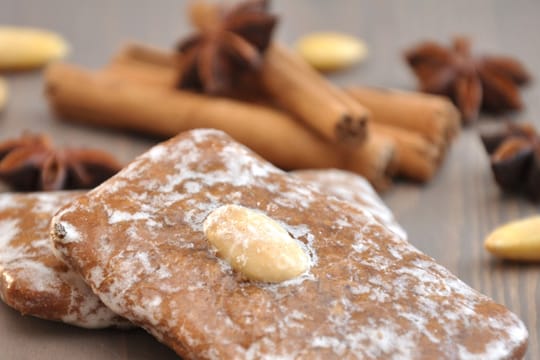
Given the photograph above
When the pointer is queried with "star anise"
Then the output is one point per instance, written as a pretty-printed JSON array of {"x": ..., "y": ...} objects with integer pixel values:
[
  {"x": 515, "y": 158},
  {"x": 472, "y": 82},
  {"x": 229, "y": 42},
  {"x": 32, "y": 163}
]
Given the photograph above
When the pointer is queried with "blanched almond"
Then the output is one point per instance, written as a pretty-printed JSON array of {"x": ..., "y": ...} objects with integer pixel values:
[
  {"x": 25, "y": 48},
  {"x": 518, "y": 240},
  {"x": 327, "y": 51},
  {"x": 254, "y": 244}
]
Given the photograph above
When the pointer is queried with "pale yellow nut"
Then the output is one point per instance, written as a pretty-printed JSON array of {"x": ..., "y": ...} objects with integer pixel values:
[
  {"x": 26, "y": 48},
  {"x": 3, "y": 93},
  {"x": 327, "y": 51},
  {"x": 254, "y": 244},
  {"x": 518, "y": 240}
]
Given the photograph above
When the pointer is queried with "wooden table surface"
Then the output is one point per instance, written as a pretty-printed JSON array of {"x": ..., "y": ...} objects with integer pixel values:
[{"x": 447, "y": 219}]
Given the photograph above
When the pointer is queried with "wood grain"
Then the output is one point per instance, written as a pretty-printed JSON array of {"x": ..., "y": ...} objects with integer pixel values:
[{"x": 448, "y": 219}]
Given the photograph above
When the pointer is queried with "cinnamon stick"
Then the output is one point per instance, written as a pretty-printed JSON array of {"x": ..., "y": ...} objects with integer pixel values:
[
  {"x": 147, "y": 64},
  {"x": 433, "y": 116},
  {"x": 301, "y": 91},
  {"x": 417, "y": 158},
  {"x": 156, "y": 67},
  {"x": 376, "y": 159},
  {"x": 296, "y": 91},
  {"x": 116, "y": 100}
]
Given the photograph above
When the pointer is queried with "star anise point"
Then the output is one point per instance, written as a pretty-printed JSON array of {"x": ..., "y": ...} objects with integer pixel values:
[{"x": 229, "y": 42}]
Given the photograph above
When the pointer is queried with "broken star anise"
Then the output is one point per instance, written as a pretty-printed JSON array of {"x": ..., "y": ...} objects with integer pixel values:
[
  {"x": 32, "y": 163},
  {"x": 472, "y": 82},
  {"x": 515, "y": 158},
  {"x": 229, "y": 42}
]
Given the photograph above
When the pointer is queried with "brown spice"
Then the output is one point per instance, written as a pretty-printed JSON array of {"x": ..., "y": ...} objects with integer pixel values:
[
  {"x": 229, "y": 42},
  {"x": 472, "y": 82},
  {"x": 32, "y": 163},
  {"x": 494, "y": 138},
  {"x": 515, "y": 159}
]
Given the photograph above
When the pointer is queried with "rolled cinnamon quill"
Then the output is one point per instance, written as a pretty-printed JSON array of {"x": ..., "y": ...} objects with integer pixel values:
[
  {"x": 417, "y": 158},
  {"x": 433, "y": 116},
  {"x": 147, "y": 64},
  {"x": 301, "y": 91},
  {"x": 377, "y": 159},
  {"x": 298, "y": 92},
  {"x": 308, "y": 96},
  {"x": 144, "y": 73},
  {"x": 116, "y": 100}
]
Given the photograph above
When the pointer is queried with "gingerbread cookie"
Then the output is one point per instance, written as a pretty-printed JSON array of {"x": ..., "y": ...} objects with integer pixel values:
[
  {"x": 145, "y": 241},
  {"x": 354, "y": 189},
  {"x": 32, "y": 280}
]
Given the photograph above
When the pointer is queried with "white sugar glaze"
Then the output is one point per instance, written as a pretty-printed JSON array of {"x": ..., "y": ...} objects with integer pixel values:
[
  {"x": 393, "y": 299},
  {"x": 354, "y": 189}
]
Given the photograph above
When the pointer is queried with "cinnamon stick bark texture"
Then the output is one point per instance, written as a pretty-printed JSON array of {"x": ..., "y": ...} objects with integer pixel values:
[
  {"x": 298, "y": 89},
  {"x": 433, "y": 116},
  {"x": 376, "y": 159},
  {"x": 115, "y": 100},
  {"x": 389, "y": 150},
  {"x": 103, "y": 100},
  {"x": 144, "y": 73},
  {"x": 417, "y": 158}
]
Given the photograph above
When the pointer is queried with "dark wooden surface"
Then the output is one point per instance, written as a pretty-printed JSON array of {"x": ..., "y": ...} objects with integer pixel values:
[{"x": 448, "y": 218}]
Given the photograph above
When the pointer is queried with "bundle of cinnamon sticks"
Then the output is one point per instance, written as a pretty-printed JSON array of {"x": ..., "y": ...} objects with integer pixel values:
[
  {"x": 286, "y": 111},
  {"x": 302, "y": 122}
]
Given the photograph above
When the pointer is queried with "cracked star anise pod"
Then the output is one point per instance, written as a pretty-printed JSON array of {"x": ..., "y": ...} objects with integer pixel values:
[
  {"x": 229, "y": 43},
  {"x": 32, "y": 163},
  {"x": 515, "y": 158},
  {"x": 472, "y": 82}
]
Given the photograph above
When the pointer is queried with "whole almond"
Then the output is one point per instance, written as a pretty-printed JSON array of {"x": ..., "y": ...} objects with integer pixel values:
[
  {"x": 3, "y": 93},
  {"x": 328, "y": 51},
  {"x": 26, "y": 48},
  {"x": 254, "y": 244},
  {"x": 518, "y": 240}
]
